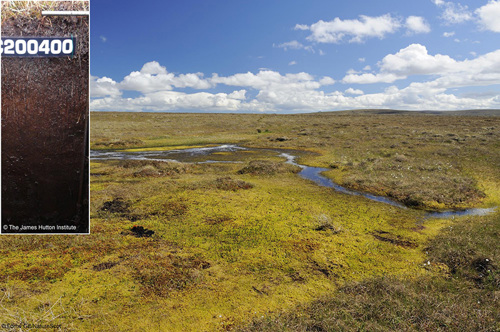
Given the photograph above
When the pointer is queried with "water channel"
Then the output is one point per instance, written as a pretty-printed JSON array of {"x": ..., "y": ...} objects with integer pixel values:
[{"x": 222, "y": 152}]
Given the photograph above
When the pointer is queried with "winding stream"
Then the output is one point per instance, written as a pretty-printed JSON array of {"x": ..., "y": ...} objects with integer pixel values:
[{"x": 218, "y": 154}]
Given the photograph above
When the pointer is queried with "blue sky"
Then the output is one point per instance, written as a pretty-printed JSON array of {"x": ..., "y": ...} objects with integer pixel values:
[{"x": 290, "y": 56}]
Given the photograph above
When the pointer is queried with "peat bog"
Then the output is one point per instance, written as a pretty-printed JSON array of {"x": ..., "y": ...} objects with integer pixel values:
[{"x": 241, "y": 242}]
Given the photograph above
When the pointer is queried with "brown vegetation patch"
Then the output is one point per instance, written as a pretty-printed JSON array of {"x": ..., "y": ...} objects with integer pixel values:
[
  {"x": 217, "y": 220},
  {"x": 414, "y": 182},
  {"x": 482, "y": 265},
  {"x": 326, "y": 269},
  {"x": 133, "y": 217},
  {"x": 296, "y": 276},
  {"x": 455, "y": 248},
  {"x": 147, "y": 171},
  {"x": 43, "y": 270},
  {"x": 263, "y": 291},
  {"x": 418, "y": 228},
  {"x": 154, "y": 168},
  {"x": 302, "y": 245},
  {"x": 394, "y": 239},
  {"x": 117, "y": 143},
  {"x": 457, "y": 259},
  {"x": 324, "y": 223},
  {"x": 486, "y": 274},
  {"x": 469, "y": 265},
  {"x": 161, "y": 273},
  {"x": 116, "y": 205},
  {"x": 388, "y": 304},
  {"x": 227, "y": 183},
  {"x": 175, "y": 208},
  {"x": 265, "y": 167},
  {"x": 97, "y": 174},
  {"x": 104, "y": 266},
  {"x": 139, "y": 231}
]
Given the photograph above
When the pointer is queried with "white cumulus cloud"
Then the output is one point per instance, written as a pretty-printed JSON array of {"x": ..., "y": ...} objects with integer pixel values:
[
  {"x": 356, "y": 31},
  {"x": 352, "y": 91},
  {"x": 489, "y": 16},
  {"x": 415, "y": 60},
  {"x": 154, "y": 77},
  {"x": 417, "y": 24},
  {"x": 326, "y": 81},
  {"x": 454, "y": 13},
  {"x": 270, "y": 80},
  {"x": 292, "y": 45},
  {"x": 103, "y": 87},
  {"x": 368, "y": 78},
  {"x": 272, "y": 91},
  {"x": 301, "y": 27},
  {"x": 239, "y": 95}
]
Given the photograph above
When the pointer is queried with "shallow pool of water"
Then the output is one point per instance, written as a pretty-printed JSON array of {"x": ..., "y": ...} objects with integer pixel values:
[{"x": 199, "y": 155}]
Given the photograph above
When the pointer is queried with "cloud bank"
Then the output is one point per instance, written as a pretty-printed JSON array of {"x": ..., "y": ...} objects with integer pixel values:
[{"x": 271, "y": 91}]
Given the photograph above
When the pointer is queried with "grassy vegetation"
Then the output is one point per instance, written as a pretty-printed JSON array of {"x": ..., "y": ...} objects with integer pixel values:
[
  {"x": 467, "y": 298},
  {"x": 426, "y": 161},
  {"x": 32, "y": 10},
  {"x": 252, "y": 246}
]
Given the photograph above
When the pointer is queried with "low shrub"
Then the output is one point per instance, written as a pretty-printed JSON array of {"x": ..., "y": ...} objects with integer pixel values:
[{"x": 161, "y": 273}]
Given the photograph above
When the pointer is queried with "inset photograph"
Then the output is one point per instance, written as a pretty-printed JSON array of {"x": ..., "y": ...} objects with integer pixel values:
[{"x": 44, "y": 117}]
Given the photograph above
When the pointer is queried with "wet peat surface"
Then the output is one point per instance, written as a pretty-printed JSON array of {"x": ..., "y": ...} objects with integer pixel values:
[
  {"x": 228, "y": 153},
  {"x": 231, "y": 153}
]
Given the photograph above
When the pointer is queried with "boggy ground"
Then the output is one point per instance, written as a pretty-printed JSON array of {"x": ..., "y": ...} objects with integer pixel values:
[
  {"x": 423, "y": 160},
  {"x": 252, "y": 246}
]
